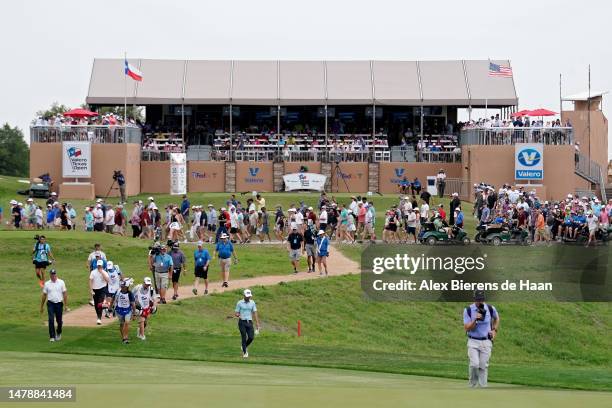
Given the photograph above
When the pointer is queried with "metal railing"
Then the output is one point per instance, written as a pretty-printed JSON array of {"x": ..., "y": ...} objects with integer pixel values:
[
  {"x": 92, "y": 133},
  {"x": 587, "y": 168},
  {"x": 155, "y": 155},
  {"x": 455, "y": 185},
  {"x": 509, "y": 136},
  {"x": 279, "y": 155},
  {"x": 439, "y": 157}
]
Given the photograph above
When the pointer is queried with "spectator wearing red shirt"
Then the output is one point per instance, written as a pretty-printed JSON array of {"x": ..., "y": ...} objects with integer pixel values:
[
  {"x": 361, "y": 216},
  {"x": 441, "y": 211}
]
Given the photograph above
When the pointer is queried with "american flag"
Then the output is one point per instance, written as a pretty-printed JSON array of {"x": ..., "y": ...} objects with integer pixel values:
[{"x": 497, "y": 70}]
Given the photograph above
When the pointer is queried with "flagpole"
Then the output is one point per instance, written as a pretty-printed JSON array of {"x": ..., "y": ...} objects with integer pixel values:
[
  {"x": 487, "y": 94},
  {"x": 124, "y": 91}
]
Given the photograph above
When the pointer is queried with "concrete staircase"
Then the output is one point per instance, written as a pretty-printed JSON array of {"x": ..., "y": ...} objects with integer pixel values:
[
  {"x": 373, "y": 177},
  {"x": 230, "y": 177},
  {"x": 278, "y": 171}
]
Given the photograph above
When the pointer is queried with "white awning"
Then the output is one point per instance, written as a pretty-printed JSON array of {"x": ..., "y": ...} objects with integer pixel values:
[
  {"x": 255, "y": 83},
  {"x": 302, "y": 83},
  {"x": 208, "y": 82},
  {"x": 488, "y": 90},
  {"x": 443, "y": 83},
  {"x": 399, "y": 83},
  {"x": 107, "y": 83},
  {"x": 162, "y": 82},
  {"x": 396, "y": 83},
  {"x": 349, "y": 83}
]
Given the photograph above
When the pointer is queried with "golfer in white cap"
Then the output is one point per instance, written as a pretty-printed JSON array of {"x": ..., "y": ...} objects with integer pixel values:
[
  {"x": 245, "y": 311},
  {"x": 98, "y": 281}
]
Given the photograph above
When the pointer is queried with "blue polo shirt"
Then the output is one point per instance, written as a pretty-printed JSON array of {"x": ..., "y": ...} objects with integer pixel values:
[
  {"x": 224, "y": 249},
  {"x": 246, "y": 309},
  {"x": 201, "y": 256},
  {"x": 163, "y": 263},
  {"x": 323, "y": 245},
  {"x": 482, "y": 327}
]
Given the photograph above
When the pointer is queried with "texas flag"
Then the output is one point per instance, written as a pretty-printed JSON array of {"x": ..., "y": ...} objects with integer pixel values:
[{"x": 134, "y": 73}]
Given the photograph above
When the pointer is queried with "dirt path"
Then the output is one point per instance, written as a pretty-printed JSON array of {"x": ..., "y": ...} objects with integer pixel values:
[{"x": 337, "y": 264}]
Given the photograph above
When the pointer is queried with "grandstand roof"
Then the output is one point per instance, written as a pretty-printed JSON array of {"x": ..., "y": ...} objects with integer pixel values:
[{"x": 400, "y": 83}]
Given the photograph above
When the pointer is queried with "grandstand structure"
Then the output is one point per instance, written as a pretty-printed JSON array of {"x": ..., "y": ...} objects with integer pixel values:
[{"x": 244, "y": 124}]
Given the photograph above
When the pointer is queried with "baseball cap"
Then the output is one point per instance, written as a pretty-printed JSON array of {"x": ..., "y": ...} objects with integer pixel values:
[
  {"x": 210, "y": 205},
  {"x": 99, "y": 200},
  {"x": 53, "y": 272},
  {"x": 479, "y": 295},
  {"x": 147, "y": 280},
  {"x": 151, "y": 199},
  {"x": 224, "y": 235},
  {"x": 248, "y": 293},
  {"x": 321, "y": 232},
  {"x": 125, "y": 283},
  {"x": 54, "y": 193},
  {"x": 200, "y": 243},
  {"x": 29, "y": 200},
  {"x": 13, "y": 202},
  {"x": 109, "y": 265},
  {"x": 100, "y": 262}
]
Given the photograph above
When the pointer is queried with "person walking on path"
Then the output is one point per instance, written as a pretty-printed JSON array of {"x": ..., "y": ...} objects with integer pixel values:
[
  {"x": 294, "y": 241},
  {"x": 41, "y": 258},
  {"x": 224, "y": 250},
  {"x": 98, "y": 281},
  {"x": 245, "y": 311},
  {"x": 178, "y": 265},
  {"x": 124, "y": 305},
  {"x": 322, "y": 251},
  {"x": 201, "y": 259},
  {"x": 54, "y": 292}
]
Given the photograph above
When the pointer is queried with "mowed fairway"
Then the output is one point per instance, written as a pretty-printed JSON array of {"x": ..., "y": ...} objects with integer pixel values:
[{"x": 186, "y": 383}]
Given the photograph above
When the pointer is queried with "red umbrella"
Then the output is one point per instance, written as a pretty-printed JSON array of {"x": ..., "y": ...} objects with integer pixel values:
[
  {"x": 80, "y": 113},
  {"x": 520, "y": 113},
  {"x": 541, "y": 112}
]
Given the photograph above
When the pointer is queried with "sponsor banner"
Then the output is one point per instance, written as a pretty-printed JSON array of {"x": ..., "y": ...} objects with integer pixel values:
[
  {"x": 254, "y": 176},
  {"x": 76, "y": 159},
  {"x": 349, "y": 177},
  {"x": 205, "y": 177},
  {"x": 529, "y": 161},
  {"x": 304, "y": 181},
  {"x": 391, "y": 175},
  {"x": 178, "y": 173}
]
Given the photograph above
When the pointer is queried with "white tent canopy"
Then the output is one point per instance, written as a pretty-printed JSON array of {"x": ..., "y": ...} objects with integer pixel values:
[{"x": 400, "y": 83}]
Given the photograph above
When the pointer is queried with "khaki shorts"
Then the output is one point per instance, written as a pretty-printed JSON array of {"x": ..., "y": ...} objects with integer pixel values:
[
  {"x": 294, "y": 254},
  {"x": 225, "y": 262},
  {"x": 540, "y": 233},
  {"x": 369, "y": 228},
  {"x": 161, "y": 280}
]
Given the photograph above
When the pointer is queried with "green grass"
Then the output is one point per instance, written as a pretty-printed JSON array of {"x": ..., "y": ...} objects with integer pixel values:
[
  {"x": 542, "y": 344},
  {"x": 550, "y": 344},
  {"x": 18, "y": 282},
  {"x": 165, "y": 382}
]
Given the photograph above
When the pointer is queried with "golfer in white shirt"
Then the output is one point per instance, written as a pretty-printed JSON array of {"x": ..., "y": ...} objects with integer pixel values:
[{"x": 55, "y": 294}]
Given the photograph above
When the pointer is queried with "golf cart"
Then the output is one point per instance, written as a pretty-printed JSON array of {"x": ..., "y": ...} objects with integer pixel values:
[
  {"x": 40, "y": 187},
  {"x": 431, "y": 236},
  {"x": 497, "y": 234},
  {"x": 601, "y": 236}
]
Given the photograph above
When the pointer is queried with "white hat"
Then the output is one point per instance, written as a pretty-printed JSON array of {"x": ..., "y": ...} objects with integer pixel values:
[
  {"x": 13, "y": 202},
  {"x": 29, "y": 200},
  {"x": 224, "y": 235},
  {"x": 455, "y": 194},
  {"x": 200, "y": 243},
  {"x": 109, "y": 265},
  {"x": 321, "y": 232},
  {"x": 291, "y": 210},
  {"x": 147, "y": 280},
  {"x": 569, "y": 196},
  {"x": 210, "y": 205},
  {"x": 223, "y": 209},
  {"x": 310, "y": 208},
  {"x": 99, "y": 200},
  {"x": 247, "y": 293},
  {"x": 98, "y": 205},
  {"x": 151, "y": 199},
  {"x": 20, "y": 203},
  {"x": 54, "y": 193},
  {"x": 100, "y": 262}
]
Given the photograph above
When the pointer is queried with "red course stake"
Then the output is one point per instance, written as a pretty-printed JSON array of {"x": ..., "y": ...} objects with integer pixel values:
[{"x": 299, "y": 328}]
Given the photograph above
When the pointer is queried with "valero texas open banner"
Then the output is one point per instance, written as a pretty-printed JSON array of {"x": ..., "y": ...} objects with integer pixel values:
[{"x": 76, "y": 159}]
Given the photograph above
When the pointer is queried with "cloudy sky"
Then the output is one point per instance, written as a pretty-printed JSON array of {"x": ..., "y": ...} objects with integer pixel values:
[{"x": 48, "y": 46}]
